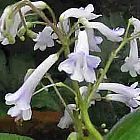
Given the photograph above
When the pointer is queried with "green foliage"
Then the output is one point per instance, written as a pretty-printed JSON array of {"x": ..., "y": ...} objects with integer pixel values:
[
  {"x": 7, "y": 136},
  {"x": 18, "y": 64},
  {"x": 46, "y": 100},
  {"x": 6, "y": 3},
  {"x": 13, "y": 68},
  {"x": 128, "y": 128},
  {"x": 3, "y": 109}
]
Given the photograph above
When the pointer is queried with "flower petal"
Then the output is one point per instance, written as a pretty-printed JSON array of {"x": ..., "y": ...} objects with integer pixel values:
[
  {"x": 124, "y": 68},
  {"x": 133, "y": 73},
  {"x": 133, "y": 50},
  {"x": 26, "y": 114},
  {"x": 79, "y": 13},
  {"x": 92, "y": 40},
  {"x": 93, "y": 61},
  {"x": 112, "y": 35},
  {"x": 68, "y": 66}
]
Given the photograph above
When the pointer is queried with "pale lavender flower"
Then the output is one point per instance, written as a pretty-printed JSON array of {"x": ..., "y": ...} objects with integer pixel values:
[
  {"x": 79, "y": 13},
  {"x": 125, "y": 94},
  {"x": 11, "y": 25},
  {"x": 93, "y": 40},
  {"x": 80, "y": 65},
  {"x": 132, "y": 63},
  {"x": 66, "y": 120},
  {"x": 111, "y": 34},
  {"x": 22, "y": 97},
  {"x": 136, "y": 23},
  {"x": 44, "y": 39},
  {"x": 84, "y": 92},
  {"x": 65, "y": 25}
]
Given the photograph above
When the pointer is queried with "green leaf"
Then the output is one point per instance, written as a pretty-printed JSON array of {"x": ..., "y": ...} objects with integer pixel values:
[
  {"x": 7, "y": 136},
  {"x": 128, "y": 128},
  {"x": 18, "y": 66},
  {"x": 3, "y": 109},
  {"x": 116, "y": 19},
  {"x": 3, "y": 71},
  {"x": 47, "y": 100}
]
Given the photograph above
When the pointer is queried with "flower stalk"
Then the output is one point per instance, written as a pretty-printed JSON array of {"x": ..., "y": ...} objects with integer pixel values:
[{"x": 107, "y": 66}]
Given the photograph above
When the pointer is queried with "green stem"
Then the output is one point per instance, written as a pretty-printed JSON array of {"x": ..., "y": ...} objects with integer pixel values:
[
  {"x": 60, "y": 97},
  {"x": 92, "y": 130},
  {"x": 111, "y": 58},
  {"x": 60, "y": 84},
  {"x": 52, "y": 14},
  {"x": 40, "y": 23},
  {"x": 127, "y": 30},
  {"x": 23, "y": 19},
  {"x": 44, "y": 87}
]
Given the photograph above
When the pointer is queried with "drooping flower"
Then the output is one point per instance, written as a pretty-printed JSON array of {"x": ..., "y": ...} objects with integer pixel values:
[
  {"x": 10, "y": 21},
  {"x": 136, "y": 23},
  {"x": 66, "y": 120},
  {"x": 132, "y": 63},
  {"x": 96, "y": 97},
  {"x": 44, "y": 39},
  {"x": 65, "y": 25},
  {"x": 79, "y": 13},
  {"x": 125, "y": 94},
  {"x": 111, "y": 34},
  {"x": 80, "y": 65},
  {"x": 93, "y": 40},
  {"x": 22, "y": 97}
]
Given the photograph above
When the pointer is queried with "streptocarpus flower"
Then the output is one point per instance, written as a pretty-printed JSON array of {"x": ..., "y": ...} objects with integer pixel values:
[
  {"x": 125, "y": 94},
  {"x": 112, "y": 35},
  {"x": 136, "y": 23},
  {"x": 93, "y": 40},
  {"x": 96, "y": 97},
  {"x": 132, "y": 63},
  {"x": 66, "y": 120},
  {"x": 44, "y": 39},
  {"x": 80, "y": 65},
  {"x": 9, "y": 22},
  {"x": 22, "y": 97},
  {"x": 80, "y": 13}
]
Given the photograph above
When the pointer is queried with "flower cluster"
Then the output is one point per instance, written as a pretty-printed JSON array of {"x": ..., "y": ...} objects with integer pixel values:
[
  {"x": 81, "y": 63},
  {"x": 132, "y": 63},
  {"x": 10, "y": 21}
]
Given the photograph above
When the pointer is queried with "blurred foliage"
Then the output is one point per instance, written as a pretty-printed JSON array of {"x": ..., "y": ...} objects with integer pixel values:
[
  {"x": 46, "y": 100},
  {"x": 5, "y": 3},
  {"x": 6, "y": 136}
]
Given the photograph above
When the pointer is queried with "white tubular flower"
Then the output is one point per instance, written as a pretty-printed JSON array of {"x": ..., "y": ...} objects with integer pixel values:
[
  {"x": 136, "y": 23},
  {"x": 93, "y": 40},
  {"x": 79, "y": 13},
  {"x": 96, "y": 97},
  {"x": 44, "y": 39},
  {"x": 132, "y": 63},
  {"x": 80, "y": 65},
  {"x": 112, "y": 35},
  {"x": 11, "y": 25},
  {"x": 22, "y": 97},
  {"x": 66, "y": 120},
  {"x": 125, "y": 94},
  {"x": 65, "y": 25}
]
